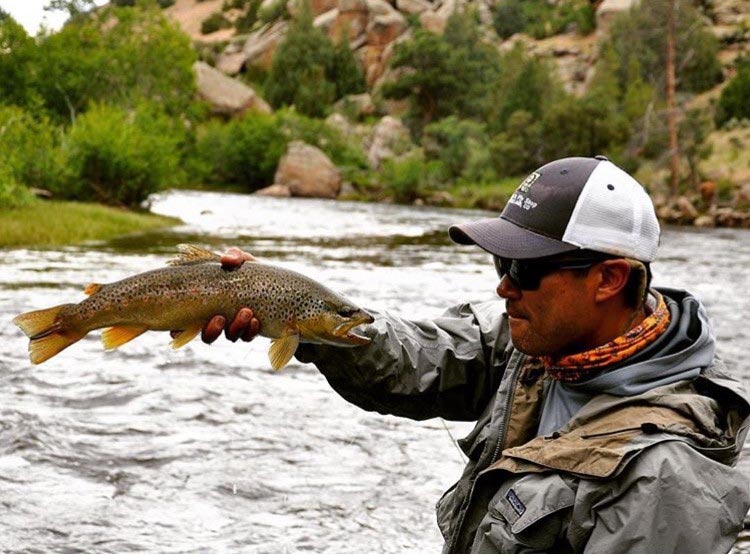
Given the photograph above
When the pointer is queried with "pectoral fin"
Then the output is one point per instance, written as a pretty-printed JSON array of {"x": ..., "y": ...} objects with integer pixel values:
[
  {"x": 186, "y": 336},
  {"x": 119, "y": 335},
  {"x": 282, "y": 350}
]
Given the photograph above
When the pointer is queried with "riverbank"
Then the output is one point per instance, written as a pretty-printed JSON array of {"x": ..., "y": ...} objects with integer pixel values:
[{"x": 50, "y": 222}]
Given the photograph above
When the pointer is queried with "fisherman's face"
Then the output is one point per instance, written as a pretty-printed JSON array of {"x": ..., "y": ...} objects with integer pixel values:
[{"x": 557, "y": 318}]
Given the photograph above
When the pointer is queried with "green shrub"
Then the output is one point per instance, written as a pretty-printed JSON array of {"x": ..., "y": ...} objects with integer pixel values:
[
  {"x": 121, "y": 56},
  {"x": 518, "y": 149},
  {"x": 30, "y": 148},
  {"x": 274, "y": 12},
  {"x": 734, "y": 101},
  {"x": 246, "y": 21},
  {"x": 12, "y": 193},
  {"x": 402, "y": 177},
  {"x": 342, "y": 152},
  {"x": 581, "y": 127},
  {"x": 120, "y": 157},
  {"x": 452, "y": 142},
  {"x": 508, "y": 18},
  {"x": 214, "y": 22}
]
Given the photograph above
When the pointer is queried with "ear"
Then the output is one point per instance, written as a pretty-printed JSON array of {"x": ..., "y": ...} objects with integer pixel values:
[{"x": 613, "y": 277}]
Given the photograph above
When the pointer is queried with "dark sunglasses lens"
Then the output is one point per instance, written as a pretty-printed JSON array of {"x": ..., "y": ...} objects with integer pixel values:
[{"x": 524, "y": 276}]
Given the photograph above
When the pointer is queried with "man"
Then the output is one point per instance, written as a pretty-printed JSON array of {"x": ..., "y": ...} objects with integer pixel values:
[{"x": 605, "y": 420}]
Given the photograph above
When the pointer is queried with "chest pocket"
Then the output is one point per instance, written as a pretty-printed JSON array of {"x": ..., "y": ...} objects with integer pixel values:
[{"x": 527, "y": 514}]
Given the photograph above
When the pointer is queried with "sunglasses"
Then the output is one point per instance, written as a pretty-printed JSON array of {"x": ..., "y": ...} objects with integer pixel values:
[{"x": 527, "y": 274}]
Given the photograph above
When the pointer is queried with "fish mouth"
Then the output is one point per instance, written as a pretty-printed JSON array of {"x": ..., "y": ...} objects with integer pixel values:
[{"x": 346, "y": 331}]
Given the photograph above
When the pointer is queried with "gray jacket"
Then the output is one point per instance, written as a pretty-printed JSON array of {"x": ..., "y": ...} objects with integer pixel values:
[{"x": 637, "y": 459}]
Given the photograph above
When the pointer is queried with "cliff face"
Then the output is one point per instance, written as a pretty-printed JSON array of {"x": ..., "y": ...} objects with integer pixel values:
[{"x": 376, "y": 26}]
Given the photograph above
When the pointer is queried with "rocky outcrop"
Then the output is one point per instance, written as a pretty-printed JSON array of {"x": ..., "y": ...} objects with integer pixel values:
[
  {"x": 389, "y": 138},
  {"x": 275, "y": 190},
  {"x": 307, "y": 172},
  {"x": 225, "y": 95},
  {"x": 261, "y": 45}
]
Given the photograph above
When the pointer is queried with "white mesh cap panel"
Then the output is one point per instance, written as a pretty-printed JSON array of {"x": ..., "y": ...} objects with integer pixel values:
[{"x": 614, "y": 214}]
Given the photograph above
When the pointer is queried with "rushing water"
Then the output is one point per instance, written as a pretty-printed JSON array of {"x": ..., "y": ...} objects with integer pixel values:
[{"x": 206, "y": 448}]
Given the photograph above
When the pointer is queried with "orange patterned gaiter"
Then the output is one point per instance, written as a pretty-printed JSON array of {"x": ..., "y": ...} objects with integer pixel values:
[{"x": 572, "y": 368}]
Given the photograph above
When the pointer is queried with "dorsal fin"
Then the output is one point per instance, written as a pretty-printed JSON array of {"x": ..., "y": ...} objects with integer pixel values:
[
  {"x": 190, "y": 254},
  {"x": 92, "y": 288}
]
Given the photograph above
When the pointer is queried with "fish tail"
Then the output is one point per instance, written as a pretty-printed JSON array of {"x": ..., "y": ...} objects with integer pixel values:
[{"x": 48, "y": 335}]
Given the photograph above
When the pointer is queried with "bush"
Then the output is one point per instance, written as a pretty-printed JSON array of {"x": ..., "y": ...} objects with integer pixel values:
[
  {"x": 734, "y": 101},
  {"x": 457, "y": 145},
  {"x": 12, "y": 193},
  {"x": 402, "y": 177},
  {"x": 508, "y": 18},
  {"x": 541, "y": 18},
  {"x": 245, "y": 151},
  {"x": 30, "y": 149},
  {"x": 581, "y": 127},
  {"x": 518, "y": 149},
  {"x": 119, "y": 56},
  {"x": 214, "y": 22},
  {"x": 275, "y": 11},
  {"x": 120, "y": 157}
]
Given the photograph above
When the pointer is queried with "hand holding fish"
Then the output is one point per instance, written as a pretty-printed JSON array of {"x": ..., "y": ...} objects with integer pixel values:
[
  {"x": 198, "y": 293},
  {"x": 244, "y": 325}
]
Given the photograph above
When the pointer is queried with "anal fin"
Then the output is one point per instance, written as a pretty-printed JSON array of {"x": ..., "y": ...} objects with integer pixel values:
[
  {"x": 282, "y": 350},
  {"x": 119, "y": 335},
  {"x": 185, "y": 336}
]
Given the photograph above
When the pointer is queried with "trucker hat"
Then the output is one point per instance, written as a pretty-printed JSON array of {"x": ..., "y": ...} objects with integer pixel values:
[{"x": 567, "y": 205}]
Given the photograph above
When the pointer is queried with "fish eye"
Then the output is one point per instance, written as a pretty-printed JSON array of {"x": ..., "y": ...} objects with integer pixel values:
[{"x": 346, "y": 312}]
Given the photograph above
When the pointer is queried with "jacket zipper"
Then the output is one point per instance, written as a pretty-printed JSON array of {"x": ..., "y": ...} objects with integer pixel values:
[{"x": 501, "y": 440}]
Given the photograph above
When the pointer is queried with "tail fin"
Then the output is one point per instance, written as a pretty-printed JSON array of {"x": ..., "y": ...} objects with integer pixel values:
[{"x": 48, "y": 337}]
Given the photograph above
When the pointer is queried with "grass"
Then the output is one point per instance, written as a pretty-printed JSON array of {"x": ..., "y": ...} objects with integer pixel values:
[{"x": 47, "y": 223}]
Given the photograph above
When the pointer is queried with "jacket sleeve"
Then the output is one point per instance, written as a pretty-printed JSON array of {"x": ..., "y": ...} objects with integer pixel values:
[
  {"x": 447, "y": 367},
  {"x": 670, "y": 499}
]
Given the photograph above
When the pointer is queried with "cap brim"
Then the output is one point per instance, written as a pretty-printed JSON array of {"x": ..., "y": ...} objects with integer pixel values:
[{"x": 507, "y": 240}]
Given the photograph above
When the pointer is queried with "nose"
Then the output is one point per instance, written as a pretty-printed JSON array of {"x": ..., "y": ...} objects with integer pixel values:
[{"x": 507, "y": 289}]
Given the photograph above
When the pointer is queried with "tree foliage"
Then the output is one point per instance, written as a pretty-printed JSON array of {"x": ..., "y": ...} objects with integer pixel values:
[
  {"x": 641, "y": 33},
  {"x": 734, "y": 101},
  {"x": 308, "y": 71},
  {"x": 118, "y": 56},
  {"x": 445, "y": 75}
]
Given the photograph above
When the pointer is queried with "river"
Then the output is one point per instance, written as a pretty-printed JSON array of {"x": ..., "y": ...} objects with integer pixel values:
[{"x": 206, "y": 449}]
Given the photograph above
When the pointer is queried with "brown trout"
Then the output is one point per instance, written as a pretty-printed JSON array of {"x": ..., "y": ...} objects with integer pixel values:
[{"x": 186, "y": 295}]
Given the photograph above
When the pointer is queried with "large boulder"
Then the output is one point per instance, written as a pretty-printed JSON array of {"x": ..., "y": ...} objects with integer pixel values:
[
  {"x": 308, "y": 172},
  {"x": 389, "y": 138},
  {"x": 261, "y": 45},
  {"x": 352, "y": 17},
  {"x": 225, "y": 95},
  {"x": 413, "y": 7},
  {"x": 608, "y": 10}
]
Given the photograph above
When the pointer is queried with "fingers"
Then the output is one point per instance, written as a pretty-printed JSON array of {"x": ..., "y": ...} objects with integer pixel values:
[
  {"x": 239, "y": 325},
  {"x": 213, "y": 329},
  {"x": 234, "y": 257}
]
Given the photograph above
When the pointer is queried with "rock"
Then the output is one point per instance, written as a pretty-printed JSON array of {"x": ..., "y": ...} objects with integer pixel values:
[
  {"x": 318, "y": 6},
  {"x": 356, "y": 106},
  {"x": 385, "y": 28},
  {"x": 389, "y": 138},
  {"x": 340, "y": 124},
  {"x": 441, "y": 198},
  {"x": 353, "y": 17},
  {"x": 308, "y": 172},
  {"x": 433, "y": 22},
  {"x": 261, "y": 45},
  {"x": 326, "y": 21},
  {"x": 414, "y": 7},
  {"x": 226, "y": 96},
  {"x": 275, "y": 190},
  {"x": 231, "y": 63},
  {"x": 742, "y": 197},
  {"x": 686, "y": 208},
  {"x": 608, "y": 10},
  {"x": 704, "y": 220}
]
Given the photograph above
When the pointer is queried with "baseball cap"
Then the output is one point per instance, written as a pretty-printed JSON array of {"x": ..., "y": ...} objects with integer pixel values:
[{"x": 566, "y": 205}]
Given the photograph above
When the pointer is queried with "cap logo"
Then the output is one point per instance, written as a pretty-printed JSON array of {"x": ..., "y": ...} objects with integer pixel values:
[
  {"x": 519, "y": 198},
  {"x": 528, "y": 182}
]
